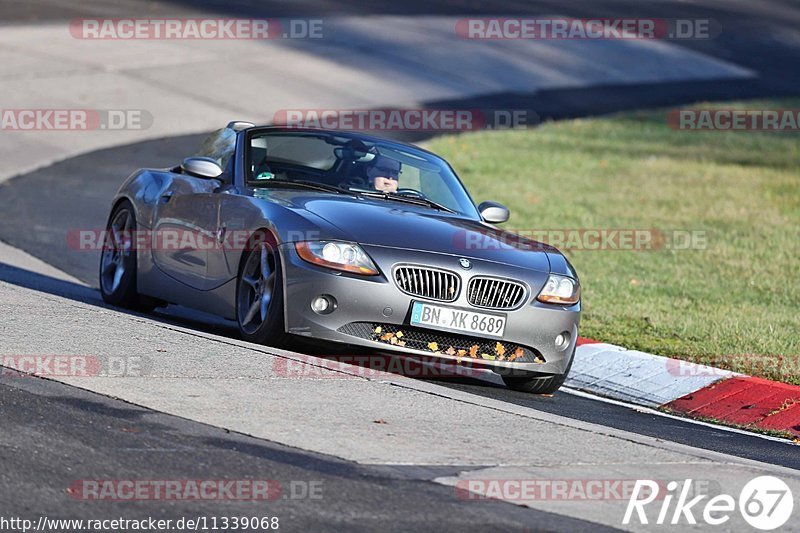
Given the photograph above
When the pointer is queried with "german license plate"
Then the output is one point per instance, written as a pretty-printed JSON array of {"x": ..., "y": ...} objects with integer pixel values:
[{"x": 460, "y": 320}]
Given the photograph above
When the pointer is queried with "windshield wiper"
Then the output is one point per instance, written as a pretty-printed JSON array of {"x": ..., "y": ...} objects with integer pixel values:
[
  {"x": 307, "y": 184},
  {"x": 415, "y": 200}
]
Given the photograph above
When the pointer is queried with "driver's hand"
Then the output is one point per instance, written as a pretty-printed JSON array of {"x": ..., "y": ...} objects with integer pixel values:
[{"x": 385, "y": 185}]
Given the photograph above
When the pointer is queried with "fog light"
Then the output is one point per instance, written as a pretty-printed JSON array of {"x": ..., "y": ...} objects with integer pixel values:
[
  {"x": 320, "y": 304},
  {"x": 562, "y": 340},
  {"x": 323, "y": 304}
]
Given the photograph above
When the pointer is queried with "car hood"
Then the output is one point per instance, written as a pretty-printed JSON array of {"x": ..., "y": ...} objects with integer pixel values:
[{"x": 392, "y": 224}]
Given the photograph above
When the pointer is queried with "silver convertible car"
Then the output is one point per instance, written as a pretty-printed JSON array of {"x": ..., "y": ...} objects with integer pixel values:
[{"x": 343, "y": 238}]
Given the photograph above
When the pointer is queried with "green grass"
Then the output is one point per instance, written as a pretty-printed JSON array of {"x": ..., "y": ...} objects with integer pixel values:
[{"x": 734, "y": 304}]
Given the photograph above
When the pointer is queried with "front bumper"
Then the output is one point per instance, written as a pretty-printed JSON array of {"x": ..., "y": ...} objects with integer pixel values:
[{"x": 366, "y": 303}]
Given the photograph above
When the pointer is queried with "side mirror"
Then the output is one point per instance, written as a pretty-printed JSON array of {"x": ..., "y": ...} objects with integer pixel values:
[
  {"x": 201, "y": 167},
  {"x": 493, "y": 212}
]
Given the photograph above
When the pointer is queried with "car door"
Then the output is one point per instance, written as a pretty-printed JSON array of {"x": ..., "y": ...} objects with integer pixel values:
[
  {"x": 184, "y": 227},
  {"x": 231, "y": 237}
]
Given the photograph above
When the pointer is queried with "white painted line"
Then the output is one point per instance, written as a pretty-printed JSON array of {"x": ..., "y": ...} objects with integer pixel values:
[
  {"x": 656, "y": 412},
  {"x": 488, "y": 376}
]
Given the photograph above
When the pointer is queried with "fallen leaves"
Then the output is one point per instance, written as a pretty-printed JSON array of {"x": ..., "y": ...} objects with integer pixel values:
[
  {"x": 502, "y": 351},
  {"x": 519, "y": 353},
  {"x": 390, "y": 337},
  {"x": 499, "y": 349}
]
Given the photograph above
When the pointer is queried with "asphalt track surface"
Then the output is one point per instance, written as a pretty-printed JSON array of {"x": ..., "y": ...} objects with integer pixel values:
[
  {"x": 40, "y": 208},
  {"x": 63, "y": 434},
  {"x": 577, "y": 407}
]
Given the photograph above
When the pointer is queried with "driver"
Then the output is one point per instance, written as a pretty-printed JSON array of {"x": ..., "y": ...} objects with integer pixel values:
[{"x": 383, "y": 173}]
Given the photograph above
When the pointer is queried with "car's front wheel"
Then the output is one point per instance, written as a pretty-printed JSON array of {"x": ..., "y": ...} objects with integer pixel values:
[
  {"x": 539, "y": 384},
  {"x": 259, "y": 296},
  {"x": 118, "y": 262}
]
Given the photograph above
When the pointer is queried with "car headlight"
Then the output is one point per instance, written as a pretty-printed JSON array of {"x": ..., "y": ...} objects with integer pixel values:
[
  {"x": 560, "y": 290},
  {"x": 346, "y": 256}
]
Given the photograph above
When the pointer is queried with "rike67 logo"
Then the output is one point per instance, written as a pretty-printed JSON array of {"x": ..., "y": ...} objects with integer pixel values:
[{"x": 766, "y": 503}]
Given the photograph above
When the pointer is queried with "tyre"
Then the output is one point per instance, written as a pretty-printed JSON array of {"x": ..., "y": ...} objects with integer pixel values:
[
  {"x": 118, "y": 262},
  {"x": 259, "y": 296},
  {"x": 541, "y": 384}
]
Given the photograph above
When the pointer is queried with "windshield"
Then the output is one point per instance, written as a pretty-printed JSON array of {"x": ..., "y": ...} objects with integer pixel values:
[
  {"x": 380, "y": 169},
  {"x": 219, "y": 146}
]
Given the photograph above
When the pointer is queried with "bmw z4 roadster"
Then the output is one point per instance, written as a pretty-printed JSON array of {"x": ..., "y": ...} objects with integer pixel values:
[{"x": 342, "y": 238}]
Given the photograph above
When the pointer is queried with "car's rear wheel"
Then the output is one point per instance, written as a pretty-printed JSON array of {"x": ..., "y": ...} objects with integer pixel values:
[
  {"x": 540, "y": 384},
  {"x": 259, "y": 296},
  {"x": 118, "y": 262}
]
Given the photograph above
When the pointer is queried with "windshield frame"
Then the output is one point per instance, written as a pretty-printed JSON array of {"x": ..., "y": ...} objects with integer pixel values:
[{"x": 431, "y": 158}]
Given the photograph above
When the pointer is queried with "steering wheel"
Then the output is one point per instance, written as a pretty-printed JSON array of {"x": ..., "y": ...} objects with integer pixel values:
[
  {"x": 411, "y": 192},
  {"x": 356, "y": 181}
]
